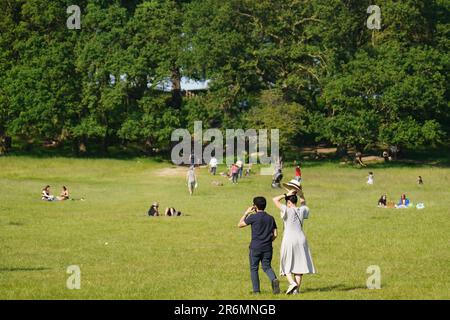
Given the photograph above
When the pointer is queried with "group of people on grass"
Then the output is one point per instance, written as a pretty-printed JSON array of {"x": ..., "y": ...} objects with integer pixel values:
[
  {"x": 47, "y": 196},
  {"x": 295, "y": 256},
  {"x": 384, "y": 203},
  {"x": 235, "y": 170},
  {"x": 404, "y": 202},
  {"x": 169, "y": 212}
]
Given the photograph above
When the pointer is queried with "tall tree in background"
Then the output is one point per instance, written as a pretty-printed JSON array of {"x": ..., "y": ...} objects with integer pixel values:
[
  {"x": 386, "y": 91},
  {"x": 40, "y": 85},
  {"x": 342, "y": 83}
]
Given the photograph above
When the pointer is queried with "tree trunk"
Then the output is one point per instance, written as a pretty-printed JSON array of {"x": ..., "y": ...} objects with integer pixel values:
[
  {"x": 105, "y": 145},
  {"x": 177, "y": 98},
  {"x": 341, "y": 151},
  {"x": 3, "y": 148},
  {"x": 79, "y": 146}
]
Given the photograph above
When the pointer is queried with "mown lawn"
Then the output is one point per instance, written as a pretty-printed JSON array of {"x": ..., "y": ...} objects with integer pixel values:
[{"x": 124, "y": 254}]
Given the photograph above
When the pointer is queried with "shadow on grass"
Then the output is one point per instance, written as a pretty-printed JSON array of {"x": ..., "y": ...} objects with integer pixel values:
[
  {"x": 338, "y": 287},
  {"x": 16, "y": 223},
  {"x": 23, "y": 269}
]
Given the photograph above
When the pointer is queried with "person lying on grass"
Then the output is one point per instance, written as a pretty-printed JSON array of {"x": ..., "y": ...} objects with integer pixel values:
[{"x": 171, "y": 212}]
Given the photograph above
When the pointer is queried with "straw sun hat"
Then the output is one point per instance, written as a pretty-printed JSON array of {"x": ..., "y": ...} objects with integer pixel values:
[{"x": 292, "y": 185}]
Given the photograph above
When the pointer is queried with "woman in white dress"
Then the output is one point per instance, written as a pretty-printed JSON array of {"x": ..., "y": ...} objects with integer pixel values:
[{"x": 295, "y": 257}]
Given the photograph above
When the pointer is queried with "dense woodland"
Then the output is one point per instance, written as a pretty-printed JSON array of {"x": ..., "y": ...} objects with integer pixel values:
[{"x": 311, "y": 68}]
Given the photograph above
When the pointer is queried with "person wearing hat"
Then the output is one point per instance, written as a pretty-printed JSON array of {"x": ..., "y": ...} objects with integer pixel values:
[
  {"x": 295, "y": 256},
  {"x": 295, "y": 186},
  {"x": 154, "y": 210}
]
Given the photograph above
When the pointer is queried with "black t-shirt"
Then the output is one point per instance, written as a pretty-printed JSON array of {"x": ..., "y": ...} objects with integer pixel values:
[
  {"x": 262, "y": 225},
  {"x": 152, "y": 211}
]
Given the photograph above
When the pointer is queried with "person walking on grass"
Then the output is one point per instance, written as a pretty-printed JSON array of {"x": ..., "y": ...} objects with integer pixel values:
[
  {"x": 191, "y": 179},
  {"x": 419, "y": 180},
  {"x": 213, "y": 165},
  {"x": 295, "y": 257},
  {"x": 298, "y": 173},
  {"x": 264, "y": 232},
  {"x": 240, "y": 166},
  {"x": 370, "y": 178},
  {"x": 234, "y": 173}
]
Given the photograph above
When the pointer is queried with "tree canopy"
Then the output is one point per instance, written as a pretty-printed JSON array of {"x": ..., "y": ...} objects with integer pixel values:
[{"x": 311, "y": 68}]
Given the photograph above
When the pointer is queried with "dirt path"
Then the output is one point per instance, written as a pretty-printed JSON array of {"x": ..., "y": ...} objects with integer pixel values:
[{"x": 174, "y": 171}]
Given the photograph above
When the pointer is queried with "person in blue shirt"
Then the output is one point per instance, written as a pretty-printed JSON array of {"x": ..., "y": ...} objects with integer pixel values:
[
  {"x": 264, "y": 232},
  {"x": 403, "y": 203}
]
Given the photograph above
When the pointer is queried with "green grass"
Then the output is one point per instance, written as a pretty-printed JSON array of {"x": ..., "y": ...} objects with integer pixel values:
[{"x": 203, "y": 255}]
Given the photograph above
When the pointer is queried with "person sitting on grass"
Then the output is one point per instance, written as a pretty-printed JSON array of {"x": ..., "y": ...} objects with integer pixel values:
[
  {"x": 154, "y": 210},
  {"x": 64, "y": 194},
  {"x": 382, "y": 202},
  {"x": 171, "y": 212},
  {"x": 45, "y": 194},
  {"x": 403, "y": 203}
]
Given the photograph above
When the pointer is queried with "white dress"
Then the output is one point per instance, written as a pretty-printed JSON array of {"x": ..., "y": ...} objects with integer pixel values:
[{"x": 295, "y": 257}]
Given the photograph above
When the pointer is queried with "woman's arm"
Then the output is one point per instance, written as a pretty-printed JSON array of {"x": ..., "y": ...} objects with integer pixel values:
[{"x": 277, "y": 200}]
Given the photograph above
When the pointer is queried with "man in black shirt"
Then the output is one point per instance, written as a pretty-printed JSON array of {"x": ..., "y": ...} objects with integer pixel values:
[{"x": 264, "y": 232}]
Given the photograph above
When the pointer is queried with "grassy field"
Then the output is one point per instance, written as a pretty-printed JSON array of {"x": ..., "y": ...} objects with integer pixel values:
[{"x": 203, "y": 255}]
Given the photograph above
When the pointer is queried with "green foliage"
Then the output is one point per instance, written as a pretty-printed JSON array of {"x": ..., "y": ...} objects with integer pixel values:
[
  {"x": 334, "y": 80},
  {"x": 272, "y": 112}
]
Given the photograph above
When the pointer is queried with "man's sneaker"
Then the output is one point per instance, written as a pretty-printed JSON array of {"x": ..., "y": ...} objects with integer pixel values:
[
  {"x": 291, "y": 288},
  {"x": 296, "y": 291},
  {"x": 275, "y": 286}
]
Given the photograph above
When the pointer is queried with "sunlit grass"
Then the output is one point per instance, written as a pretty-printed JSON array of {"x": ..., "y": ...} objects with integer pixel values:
[{"x": 203, "y": 255}]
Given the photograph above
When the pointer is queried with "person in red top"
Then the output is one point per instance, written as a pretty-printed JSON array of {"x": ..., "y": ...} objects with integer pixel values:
[{"x": 298, "y": 173}]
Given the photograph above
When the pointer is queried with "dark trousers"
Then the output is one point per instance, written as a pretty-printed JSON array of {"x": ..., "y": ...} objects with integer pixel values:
[
  {"x": 265, "y": 257},
  {"x": 235, "y": 177},
  {"x": 213, "y": 170}
]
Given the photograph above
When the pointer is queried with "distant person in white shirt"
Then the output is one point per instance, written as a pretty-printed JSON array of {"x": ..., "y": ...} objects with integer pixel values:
[
  {"x": 370, "y": 178},
  {"x": 213, "y": 165}
]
